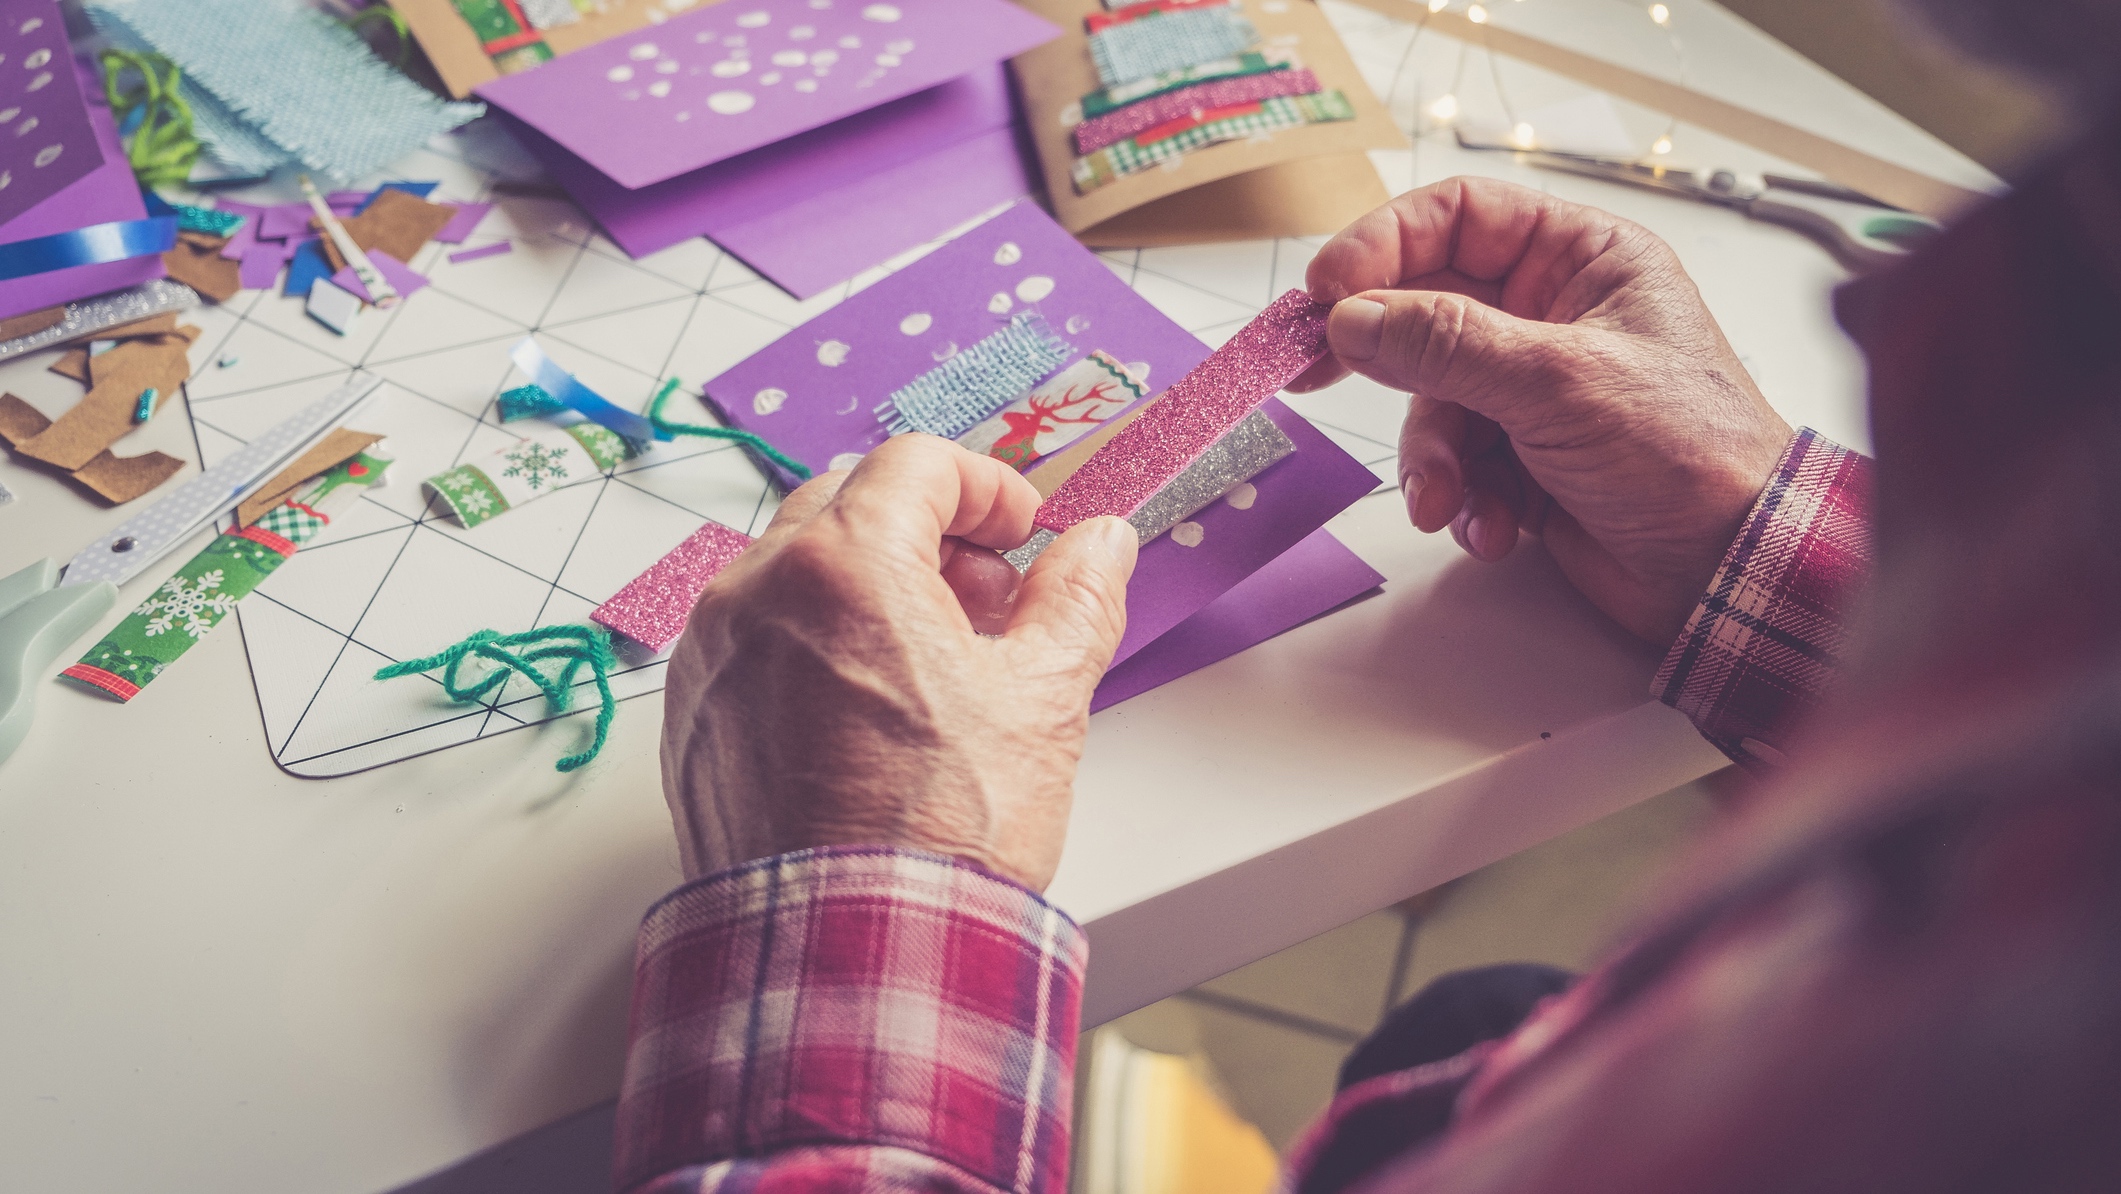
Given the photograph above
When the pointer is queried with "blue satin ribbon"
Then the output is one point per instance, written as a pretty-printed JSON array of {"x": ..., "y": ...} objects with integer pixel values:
[
  {"x": 92, "y": 245},
  {"x": 561, "y": 384}
]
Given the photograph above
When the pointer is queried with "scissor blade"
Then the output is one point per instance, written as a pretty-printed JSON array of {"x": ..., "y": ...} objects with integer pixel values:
[{"x": 145, "y": 537}]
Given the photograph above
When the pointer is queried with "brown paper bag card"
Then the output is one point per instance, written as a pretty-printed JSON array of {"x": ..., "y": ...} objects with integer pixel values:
[
  {"x": 116, "y": 479},
  {"x": 1312, "y": 178},
  {"x": 464, "y": 62}
]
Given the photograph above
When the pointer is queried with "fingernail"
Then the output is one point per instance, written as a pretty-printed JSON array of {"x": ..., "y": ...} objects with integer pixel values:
[
  {"x": 1410, "y": 490},
  {"x": 1460, "y": 535},
  {"x": 1477, "y": 535},
  {"x": 1117, "y": 535},
  {"x": 1355, "y": 329}
]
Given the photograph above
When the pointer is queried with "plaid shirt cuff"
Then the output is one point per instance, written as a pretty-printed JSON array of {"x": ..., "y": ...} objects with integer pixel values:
[
  {"x": 851, "y": 1018},
  {"x": 1763, "y": 647}
]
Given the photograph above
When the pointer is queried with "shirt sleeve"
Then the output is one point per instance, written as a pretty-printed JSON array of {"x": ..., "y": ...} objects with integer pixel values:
[
  {"x": 1763, "y": 646},
  {"x": 851, "y": 1018}
]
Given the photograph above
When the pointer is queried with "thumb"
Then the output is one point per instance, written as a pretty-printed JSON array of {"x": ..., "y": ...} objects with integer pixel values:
[
  {"x": 1447, "y": 347},
  {"x": 1073, "y": 602}
]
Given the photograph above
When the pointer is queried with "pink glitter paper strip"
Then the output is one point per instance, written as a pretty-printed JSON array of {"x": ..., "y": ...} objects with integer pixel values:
[
  {"x": 1116, "y": 126},
  {"x": 1259, "y": 360},
  {"x": 652, "y": 608}
]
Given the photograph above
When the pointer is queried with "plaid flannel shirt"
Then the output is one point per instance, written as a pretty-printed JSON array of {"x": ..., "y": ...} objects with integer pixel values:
[{"x": 872, "y": 1019}]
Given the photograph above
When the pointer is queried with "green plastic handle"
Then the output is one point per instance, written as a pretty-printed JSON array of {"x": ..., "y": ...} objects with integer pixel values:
[{"x": 39, "y": 621}]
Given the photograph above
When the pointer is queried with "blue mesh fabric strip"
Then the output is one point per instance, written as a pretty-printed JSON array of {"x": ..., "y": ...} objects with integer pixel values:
[
  {"x": 958, "y": 394},
  {"x": 308, "y": 85},
  {"x": 1170, "y": 41}
]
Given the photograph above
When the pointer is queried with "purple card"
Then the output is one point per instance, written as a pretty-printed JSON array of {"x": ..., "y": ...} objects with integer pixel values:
[
  {"x": 724, "y": 79},
  {"x": 260, "y": 265},
  {"x": 818, "y": 208},
  {"x": 105, "y": 194},
  {"x": 813, "y": 394},
  {"x": 1317, "y": 575},
  {"x": 49, "y": 142}
]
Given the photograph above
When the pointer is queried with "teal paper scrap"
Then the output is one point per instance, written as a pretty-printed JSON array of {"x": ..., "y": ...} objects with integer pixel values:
[{"x": 307, "y": 85}]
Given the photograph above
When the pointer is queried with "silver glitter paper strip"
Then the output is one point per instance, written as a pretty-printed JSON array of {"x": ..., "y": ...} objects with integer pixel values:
[
  {"x": 1246, "y": 452},
  {"x": 91, "y": 315}
]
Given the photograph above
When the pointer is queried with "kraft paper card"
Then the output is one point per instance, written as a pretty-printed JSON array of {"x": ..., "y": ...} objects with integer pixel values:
[
  {"x": 725, "y": 79},
  {"x": 472, "y": 41},
  {"x": 1269, "y": 178}
]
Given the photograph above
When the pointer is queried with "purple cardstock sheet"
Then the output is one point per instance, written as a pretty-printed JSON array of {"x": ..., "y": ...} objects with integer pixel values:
[
  {"x": 48, "y": 142},
  {"x": 1316, "y": 576},
  {"x": 103, "y": 195},
  {"x": 731, "y": 77},
  {"x": 818, "y": 208},
  {"x": 813, "y": 393}
]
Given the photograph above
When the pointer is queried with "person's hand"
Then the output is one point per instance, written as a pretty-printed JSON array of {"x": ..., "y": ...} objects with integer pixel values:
[
  {"x": 834, "y": 685},
  {"x": 1567, "y": 382}
]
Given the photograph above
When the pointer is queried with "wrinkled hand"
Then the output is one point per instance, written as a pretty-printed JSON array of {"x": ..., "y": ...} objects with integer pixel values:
[
  {"x": 1568, "y": 382},
  {"x": 834, "y": 685}
]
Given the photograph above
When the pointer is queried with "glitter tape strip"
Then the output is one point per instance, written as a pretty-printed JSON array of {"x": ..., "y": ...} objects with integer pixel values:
[
  {"x": 92, "y": 315},
  {"x": 561, "y": 384},
  {"x": 548, "y": 459},
  {"x": 958, "y": 394},
  {"x": 1201, "y": 408},
  {"x": 1168, "y": 41},
  {"x": 1061, "y": 410},
  {"x": 1171, "y": 140},
  {"x": 1112, "y": 99},
  {"x": 1134, "y": 12},
  {"x": 1113, "y": 127},
  {"x": 1252, "y": 447},
  {"x": 652, "y": 608},
  {"x": 189, "y": 604}
]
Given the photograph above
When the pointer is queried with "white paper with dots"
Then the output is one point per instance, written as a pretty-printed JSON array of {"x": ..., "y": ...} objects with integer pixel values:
[{"x": 725, "y": 79}]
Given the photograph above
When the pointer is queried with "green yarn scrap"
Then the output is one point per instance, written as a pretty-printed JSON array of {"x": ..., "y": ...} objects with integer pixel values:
[
  {"x": 578, "y": 646},
  {"x": 164, "y": 146},
  {"x": 755, "y": 442},
  {"x": 529, "y": 402},
  {"x": 207, "y": 220}
]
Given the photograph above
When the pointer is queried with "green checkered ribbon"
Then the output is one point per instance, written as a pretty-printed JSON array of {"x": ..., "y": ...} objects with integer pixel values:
[
  {"x": 1118, "y": 160},
  {"x": 1161, "y": 42},
  {"x": 1112, "y": 99}
]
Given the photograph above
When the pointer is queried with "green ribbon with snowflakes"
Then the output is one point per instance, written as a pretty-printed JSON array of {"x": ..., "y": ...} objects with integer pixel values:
[
  {"x": 548, "y": 459},
  {"x": 185, "y": 607}
]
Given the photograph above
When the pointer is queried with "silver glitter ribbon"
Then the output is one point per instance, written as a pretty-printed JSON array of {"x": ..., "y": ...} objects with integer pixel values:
[
  {"x": 1247, "y": 451},
  {"x": 91, "y": 315}
]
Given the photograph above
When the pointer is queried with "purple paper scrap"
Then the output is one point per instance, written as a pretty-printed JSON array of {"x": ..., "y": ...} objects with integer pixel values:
[
  {"x": 397, "y": 273},
  {"x": 462, "y": 224},
  {"x": 1314, "y": 577},
  {"x": 246, "y": 233},
  {"x": 493, "y": 250},
  {"x": 260, "y": 265},
  {"x": 284, "y": 220},
  {"x": 50, "y": 143},
  {"x": 723, "y": 79}
]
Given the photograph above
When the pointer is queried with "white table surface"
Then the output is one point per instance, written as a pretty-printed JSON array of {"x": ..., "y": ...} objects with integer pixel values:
[{"x": 216, "y": 976}]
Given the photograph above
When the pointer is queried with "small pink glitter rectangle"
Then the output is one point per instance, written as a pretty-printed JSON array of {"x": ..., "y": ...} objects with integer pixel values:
[
  {"x": 652, "y": 608},
  {"x": 1121, "y": 123},
  {"x": 1201, "y": 408}
]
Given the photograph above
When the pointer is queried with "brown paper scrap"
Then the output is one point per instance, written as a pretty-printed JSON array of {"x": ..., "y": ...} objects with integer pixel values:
[
  {"x": 29, "y": 324},
  {"x": 342, "y": 445},
  {"x": 116, "y": 479},
  {"x": 105, "y": 414},
  {"x": 396, "y": 223},
  {"x": 1876, "y": 177},
  {"x": 203, "y": 269},
  {"x": 1053, "y": 78},
  {"x": 73, "y": 363}
]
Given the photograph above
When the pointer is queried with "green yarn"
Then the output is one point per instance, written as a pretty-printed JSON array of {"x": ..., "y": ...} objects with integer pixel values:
[
  {"x": 164, "y": 147},
  {"x": 580, "y": 646},
  {"x": 755, "y": 442},
  {"x": 389, "y": 18}
]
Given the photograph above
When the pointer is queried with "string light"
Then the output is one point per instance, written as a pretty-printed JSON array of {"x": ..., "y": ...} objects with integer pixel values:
[
  {"x": 1662, "y": 147},
  {"x": 1522, "y": 136},
  {"x": 1660, "y": 14},
  {"x": 1477, "y": 14},
  {"x": 1438, "y": 5},
  {"x": 1445, "y": 108}
]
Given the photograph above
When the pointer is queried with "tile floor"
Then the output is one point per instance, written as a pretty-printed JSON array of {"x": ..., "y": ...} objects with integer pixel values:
[{"x": 1274, "y": 1032}]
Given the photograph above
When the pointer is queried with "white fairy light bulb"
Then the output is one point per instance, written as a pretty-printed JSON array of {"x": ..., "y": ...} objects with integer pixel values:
[
  {"x": 1477, "y": 14},
  {"x": 1522, "y": 136},
  {"x": 1444, "y": 108},
  {"x": 1660, "y": 14},
  {"x": 1662, "y": 147},
  {"x": 1439, "y": 5}
]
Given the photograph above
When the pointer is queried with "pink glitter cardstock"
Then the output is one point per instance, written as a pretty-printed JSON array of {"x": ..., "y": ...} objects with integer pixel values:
[
  {"x": 652, "y": 608},
  {"x": 1200, "y": 409}
]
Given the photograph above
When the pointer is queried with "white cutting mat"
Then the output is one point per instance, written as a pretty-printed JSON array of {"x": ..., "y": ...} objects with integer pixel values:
[{"x": 393, "y": 579}]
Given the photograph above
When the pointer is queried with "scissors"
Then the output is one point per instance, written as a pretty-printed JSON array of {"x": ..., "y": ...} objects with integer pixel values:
[
  {"x": 44, "y": 608},
  {"x": 1861, "y": 232}
]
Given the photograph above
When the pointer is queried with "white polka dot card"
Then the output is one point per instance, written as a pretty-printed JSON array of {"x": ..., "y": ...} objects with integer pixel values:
[
  {"x": 45, "y": 138},
  {"x": 734, "y": 76}
]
